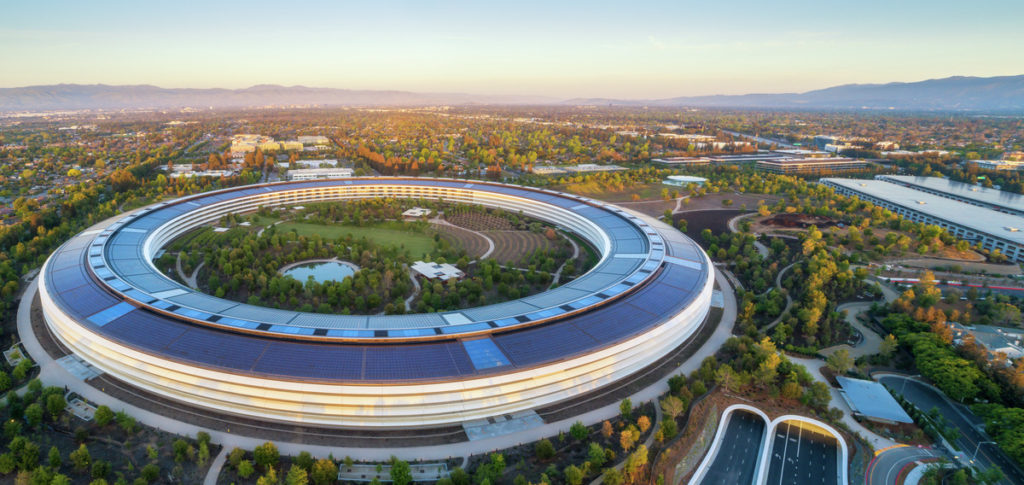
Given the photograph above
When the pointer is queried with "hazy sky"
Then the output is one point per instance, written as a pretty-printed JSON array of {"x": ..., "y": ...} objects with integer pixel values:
[{"x": 625, "y": 48}]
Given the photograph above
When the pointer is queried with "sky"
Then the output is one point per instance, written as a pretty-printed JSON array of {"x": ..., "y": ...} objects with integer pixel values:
[{"x": 624, "y": 49}]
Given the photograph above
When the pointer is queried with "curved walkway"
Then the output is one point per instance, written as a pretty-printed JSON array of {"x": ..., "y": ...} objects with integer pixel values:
[
  {"x": 52, "y": 373},
  {"x": 575, "y": 254},
  {"x": 789, "y": 299}
]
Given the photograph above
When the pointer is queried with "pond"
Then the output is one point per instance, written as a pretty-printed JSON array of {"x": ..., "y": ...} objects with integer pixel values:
[{"x": 322, "y": 271}]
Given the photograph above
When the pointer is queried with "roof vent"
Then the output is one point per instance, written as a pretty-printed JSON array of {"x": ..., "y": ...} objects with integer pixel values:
[
  {"x": 1012, "y": 229},
  {"x": 921, "y": 202}
]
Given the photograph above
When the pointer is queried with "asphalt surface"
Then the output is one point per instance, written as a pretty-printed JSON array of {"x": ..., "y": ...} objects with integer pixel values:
[
  {"x": 886, "y": 466},
  {"x": 736, "y": 459},
  {"x": 803, "y": 457},
  {"x": 925, "y": 398}
]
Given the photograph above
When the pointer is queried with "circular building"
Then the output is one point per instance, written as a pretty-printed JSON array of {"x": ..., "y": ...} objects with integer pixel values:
[{"x": 104, "y": 299}]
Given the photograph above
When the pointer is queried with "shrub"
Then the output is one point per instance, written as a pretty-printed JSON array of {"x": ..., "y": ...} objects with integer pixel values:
[
  {"x": 266, "y": 455},
  {"x": 245, "y": 469},
  {"x": 544, "y": 449},
  {"x": 103, "y": 415}
]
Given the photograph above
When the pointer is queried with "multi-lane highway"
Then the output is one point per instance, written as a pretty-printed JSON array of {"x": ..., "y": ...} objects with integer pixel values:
[
  {"x": 971, "y": 438},
  {"x": 736, "y": 458},
  {"x": 801, "y": 455}
]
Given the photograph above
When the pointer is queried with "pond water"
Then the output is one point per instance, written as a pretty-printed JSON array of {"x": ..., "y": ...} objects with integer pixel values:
[{"x": 321, "y": 272}]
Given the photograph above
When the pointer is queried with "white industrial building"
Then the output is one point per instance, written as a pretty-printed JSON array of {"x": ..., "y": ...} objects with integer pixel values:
[{"x": 994, "y": 230}]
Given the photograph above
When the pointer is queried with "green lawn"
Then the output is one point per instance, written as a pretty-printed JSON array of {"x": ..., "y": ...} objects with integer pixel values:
[{"x": 417, "y": 243}]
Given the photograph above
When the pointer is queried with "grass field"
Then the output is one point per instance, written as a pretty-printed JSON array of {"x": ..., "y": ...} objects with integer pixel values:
[{"x": 417, "y": 243}]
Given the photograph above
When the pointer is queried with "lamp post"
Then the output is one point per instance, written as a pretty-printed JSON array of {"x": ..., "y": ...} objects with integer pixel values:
[{"x": 976, "y": 448}]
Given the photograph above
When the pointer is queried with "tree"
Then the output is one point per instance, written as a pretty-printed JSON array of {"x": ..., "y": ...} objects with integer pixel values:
[
  {"x": 668, "y": 428},
  {"x": 103, "y": 415},
  {"x": 269, "y": 478},
  {"x": 672, "y": 406},
  {"x": 401, "y": 473},
  {"x": 573, "y": 475},
  {"x": 100, "y": 469},
  {"x": 304, "y": 460},
  {"x": 817, "y": 395},
  {"x": 34, "y": 414},
  {"x": 579, "y": 431},
  {"x": 55, "y": 404},
  {"x": 840, "y": 361},
  {"x": 626, "y": 409},
  {"x": 606, "y": 429},
  {"x": 611, "y": 477},
  {"x": 324, "y": 472},
  {"x": 627, "y": 438},
  {"x": 54, "y": 458},
  {"x": 297, "y": 476},
  {"x": 245, "y": 469},
  {"x": 266, "y": 455},
  {"x": 888, "y": 346},
  {"x": 644, "y": 423},
  {"x": 80, "y": 458},
  {"x": 595, "y": 455},
  {"x": 544, "y": 449},
  {"x": 635, "y": 464}
]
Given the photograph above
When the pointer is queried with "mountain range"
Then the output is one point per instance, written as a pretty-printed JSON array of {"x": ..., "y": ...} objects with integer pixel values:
[{"x": 960, "y": 93}]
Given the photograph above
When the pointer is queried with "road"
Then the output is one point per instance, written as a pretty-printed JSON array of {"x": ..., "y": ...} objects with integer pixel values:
[
  {"x": 885, "y": 467},
  {"x": 802, "y": 457},
  {"x": 926, "y": 397},
  {"x": 736, "y": 459}
]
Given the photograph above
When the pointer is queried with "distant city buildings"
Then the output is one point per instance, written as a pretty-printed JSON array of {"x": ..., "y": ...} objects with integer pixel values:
[
  {"x": 314, "y": 140},
  {"x": 319, "y": 173}
]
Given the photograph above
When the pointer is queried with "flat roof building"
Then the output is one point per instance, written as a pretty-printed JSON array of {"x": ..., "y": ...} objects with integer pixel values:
[
  {"x": 434, "y": 271},
  {"x": 319, "y": 173},
  {"x": 994, "y": 199},
  {"x": 872, "y": 401},
  {"x": 684, "y": 180},
  {"x": 811, "y": 166},
  {"x": 683, "y": 161},
  {"x": 994, "y": 230},
  {"x": 997, "y": 164}
]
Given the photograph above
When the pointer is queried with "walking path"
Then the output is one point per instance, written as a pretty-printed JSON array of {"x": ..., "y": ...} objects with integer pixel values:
[
  {"x": 189, "y": 280},
  {"x": 575, "y": 254},
  {"x": 215, "y": 466},
  {"x": 870, "y": 342},
  {"x": 53, "y": 374},
  {"x": 789, "y": 299}
]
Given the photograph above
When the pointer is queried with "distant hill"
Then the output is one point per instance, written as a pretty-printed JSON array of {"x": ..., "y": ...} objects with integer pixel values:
[
  {"x": 102, "y": 96},
  {"x": 1005, "y": 94}
]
